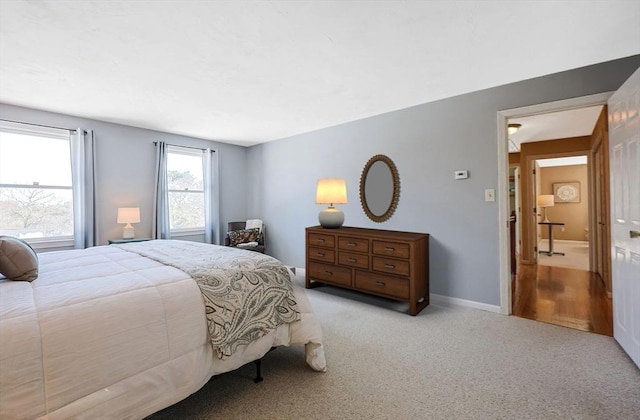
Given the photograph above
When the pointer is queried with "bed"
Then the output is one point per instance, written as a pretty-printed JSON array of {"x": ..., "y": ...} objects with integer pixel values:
[{"x": 122, "y": 332}]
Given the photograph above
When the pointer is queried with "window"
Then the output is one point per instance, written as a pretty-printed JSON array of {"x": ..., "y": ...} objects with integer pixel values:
[
  {"x": 36, "y": 197},
  {"x": 185, "y": 184}
]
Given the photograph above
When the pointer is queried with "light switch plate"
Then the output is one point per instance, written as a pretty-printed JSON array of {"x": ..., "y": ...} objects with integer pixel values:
[
  {"x": 489, "y": 195},
  {"x": 461, "y": 174}
]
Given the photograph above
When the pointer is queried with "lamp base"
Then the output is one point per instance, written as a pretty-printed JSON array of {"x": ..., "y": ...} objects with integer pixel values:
[
  {"x": 545, "y": 220},
  {"x": 127, "y": 233},
  {"x": 331, "y": 218}
]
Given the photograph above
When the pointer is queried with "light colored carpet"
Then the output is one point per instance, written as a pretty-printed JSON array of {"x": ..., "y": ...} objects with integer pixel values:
[
  {"x": 576, "y": 254},
  {"x": 446, "y": 363}
]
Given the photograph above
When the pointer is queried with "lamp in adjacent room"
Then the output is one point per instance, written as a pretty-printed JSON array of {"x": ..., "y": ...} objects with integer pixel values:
[
  {"x": 545, "y": 201},
  {"x": 128, "y": 215},
  {"x": 331, "y": 191}
]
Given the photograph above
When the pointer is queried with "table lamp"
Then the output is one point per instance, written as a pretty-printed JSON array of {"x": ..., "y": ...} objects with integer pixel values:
[
  {"x": 128, "y": 215},
  {"x": 545, "y": 201},
  {"x": 331, "y": 191}
]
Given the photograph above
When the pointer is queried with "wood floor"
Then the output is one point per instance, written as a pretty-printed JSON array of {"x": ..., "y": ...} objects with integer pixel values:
[{"x": 562, "y": 296}]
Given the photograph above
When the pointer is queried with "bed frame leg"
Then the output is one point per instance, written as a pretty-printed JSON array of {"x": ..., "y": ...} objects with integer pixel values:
[
  {"x": 258, "y": 364},
  {"x": 259, "y": 377}
]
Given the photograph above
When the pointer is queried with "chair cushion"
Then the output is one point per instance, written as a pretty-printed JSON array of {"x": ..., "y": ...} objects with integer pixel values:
[
  {"x": 18, "y": 261},
  {"x": 243, "y": 236}
]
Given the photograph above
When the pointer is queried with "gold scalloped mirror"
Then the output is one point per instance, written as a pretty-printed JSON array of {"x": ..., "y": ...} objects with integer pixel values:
[{"x": 379, "y": 188}]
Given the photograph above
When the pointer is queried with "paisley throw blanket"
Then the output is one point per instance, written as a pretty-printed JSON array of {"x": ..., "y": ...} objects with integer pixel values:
[{"x": 246, "y": 294}]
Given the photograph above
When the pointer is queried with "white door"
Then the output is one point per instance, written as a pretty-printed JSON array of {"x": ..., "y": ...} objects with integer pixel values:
[{"x": 624, "y": 148}]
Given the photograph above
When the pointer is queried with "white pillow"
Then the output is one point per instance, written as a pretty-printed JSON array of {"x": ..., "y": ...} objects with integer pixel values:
[{"x": 247, "y": 245}]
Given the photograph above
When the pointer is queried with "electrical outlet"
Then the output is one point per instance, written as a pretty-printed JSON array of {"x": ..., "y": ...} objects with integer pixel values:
[
  {"x": 562, "y": 229},
  {"x": 489, "y": 195}
]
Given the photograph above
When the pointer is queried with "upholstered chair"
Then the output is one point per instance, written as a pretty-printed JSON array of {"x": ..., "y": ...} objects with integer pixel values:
[{"x": 239, "y": 226}]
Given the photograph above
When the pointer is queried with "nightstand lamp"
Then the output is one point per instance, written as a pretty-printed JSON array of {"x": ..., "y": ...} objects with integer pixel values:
[
  {"x": 331, "y": 191},
  {"x": 128, "y": 215}
]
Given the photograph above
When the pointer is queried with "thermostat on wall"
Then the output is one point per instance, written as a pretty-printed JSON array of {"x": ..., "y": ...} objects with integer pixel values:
[{"x": 462, "y": 174}]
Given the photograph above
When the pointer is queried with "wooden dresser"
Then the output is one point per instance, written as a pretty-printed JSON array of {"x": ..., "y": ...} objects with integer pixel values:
[{"x": 380, "y": 262}]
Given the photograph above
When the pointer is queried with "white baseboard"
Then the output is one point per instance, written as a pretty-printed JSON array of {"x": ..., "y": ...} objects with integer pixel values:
[{"x": 441, "y": 300}]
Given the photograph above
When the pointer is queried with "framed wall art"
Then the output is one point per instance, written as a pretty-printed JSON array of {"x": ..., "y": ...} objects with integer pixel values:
[{"x": 566, "y": 192}]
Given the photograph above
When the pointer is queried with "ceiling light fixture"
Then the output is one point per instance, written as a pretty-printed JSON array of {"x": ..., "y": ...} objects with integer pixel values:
[{"x": 512, "y": 128}]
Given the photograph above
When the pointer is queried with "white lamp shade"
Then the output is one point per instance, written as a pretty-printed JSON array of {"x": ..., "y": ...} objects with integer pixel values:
[
  {"x": 129, "y": 215},
  {"x": 331, "y": 191},
  {"x": 545, "y": 200}
]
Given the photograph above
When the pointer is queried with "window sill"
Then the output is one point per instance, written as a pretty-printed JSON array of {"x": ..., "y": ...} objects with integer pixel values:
[
  {"x": 51, "y": 244},
  {"x": 186, "y": 232}
]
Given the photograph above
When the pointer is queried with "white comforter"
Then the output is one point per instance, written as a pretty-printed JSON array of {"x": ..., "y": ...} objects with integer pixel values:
[{"x": 106, "y": 333}]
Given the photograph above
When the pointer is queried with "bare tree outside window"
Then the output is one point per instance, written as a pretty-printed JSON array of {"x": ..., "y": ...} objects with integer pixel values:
[
  {"x": 30, "y": 212},
  {"x": 185, "y": 205},
  {"x": 185, "y": 189},
  {"x": 36, "y": 197}
]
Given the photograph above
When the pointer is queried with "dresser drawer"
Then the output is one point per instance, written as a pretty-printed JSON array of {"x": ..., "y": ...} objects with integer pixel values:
[
  {"x": 353, "y": 260},
  {"x": 391, "y": 266},
  {"x": 391, "y": 249},
  {"x": 318, "y": 239},
  {"x": 353, "y": 244},
  {"x": 381, "y": 284},
  {"x": 322, "y": 254},
  {"x": 330, "y": 273}
]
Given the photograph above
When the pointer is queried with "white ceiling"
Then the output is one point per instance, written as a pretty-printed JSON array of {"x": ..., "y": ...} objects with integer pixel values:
[
  {"x": 555, "y": 125},
  {"x": 565, "y": 161},
  {"x": 246, "y": 72}
]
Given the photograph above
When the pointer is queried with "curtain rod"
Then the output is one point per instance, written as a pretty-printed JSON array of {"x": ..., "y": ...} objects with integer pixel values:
[
  {"x": 46, "y": 126},
  {"x": 187, "y": 147}
]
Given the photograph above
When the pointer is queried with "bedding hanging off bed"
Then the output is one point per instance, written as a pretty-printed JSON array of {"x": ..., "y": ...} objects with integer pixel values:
[{"x": 246, "y": 294}]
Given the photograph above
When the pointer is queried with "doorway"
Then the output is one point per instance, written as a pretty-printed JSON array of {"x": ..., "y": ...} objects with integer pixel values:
[
  {"x": 556, "y": 284},
  {"x": 526, "y": 199},
  {"x": 563, "y": 202}
]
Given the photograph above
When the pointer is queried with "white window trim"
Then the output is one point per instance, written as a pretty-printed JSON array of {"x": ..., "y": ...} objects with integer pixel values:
[
  {"x": 50, "y": 132},
  {"x": 29, "y": 129},
  {"x": 47, "y": 244},
  {"x": 187, "y": 232},
  {"x": 195, "y": 152}
]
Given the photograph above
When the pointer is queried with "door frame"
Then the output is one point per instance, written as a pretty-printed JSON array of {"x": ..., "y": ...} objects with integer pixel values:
[{"x": 503, "y": 176}]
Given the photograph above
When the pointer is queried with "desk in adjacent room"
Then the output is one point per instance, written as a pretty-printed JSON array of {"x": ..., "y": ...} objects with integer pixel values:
[{"x": 550, "y": 225}]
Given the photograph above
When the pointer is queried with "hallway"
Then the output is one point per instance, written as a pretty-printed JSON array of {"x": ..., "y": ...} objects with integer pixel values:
[{"x": 562, "y": 296}]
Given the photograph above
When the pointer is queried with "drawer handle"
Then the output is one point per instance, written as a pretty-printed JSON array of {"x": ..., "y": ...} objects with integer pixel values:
[
  {"x": 352, "y": 244},
  {"x": 320, "y": 240},
  {"x": 380, "y": 283},
  {"x": 320, "y": 254},
  {"x": 388, "y": 248},
  {"x": 328, "y": 272},
  {"x": 352, "y": 260},
  {"x": 389, "y": 266}
]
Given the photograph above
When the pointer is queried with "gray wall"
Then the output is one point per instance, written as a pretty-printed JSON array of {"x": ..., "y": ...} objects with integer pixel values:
[
  {"x": 125, "y": 166},
  {"x": 427, "y": 143},
  {"x": 276, "y": 181}
]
